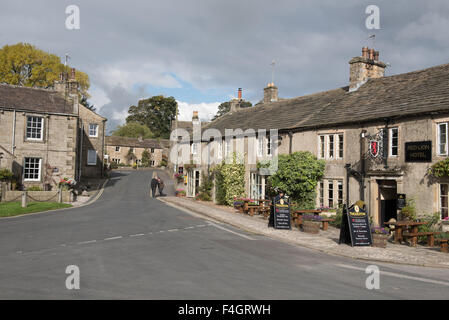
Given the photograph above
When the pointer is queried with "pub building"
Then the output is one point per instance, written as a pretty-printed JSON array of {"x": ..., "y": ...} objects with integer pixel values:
[{"x": 378, "y": 135}]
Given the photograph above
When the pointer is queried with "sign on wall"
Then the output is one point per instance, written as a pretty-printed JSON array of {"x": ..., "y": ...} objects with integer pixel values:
[
  {"x": 418, "y": 151},
  {"x": 401, "y": 201}
]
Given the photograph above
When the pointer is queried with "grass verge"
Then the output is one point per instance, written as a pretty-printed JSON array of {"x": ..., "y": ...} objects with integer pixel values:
[{"x": 11, "y": 209}]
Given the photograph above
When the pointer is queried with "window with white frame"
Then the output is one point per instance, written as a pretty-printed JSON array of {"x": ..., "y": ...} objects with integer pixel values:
[
  {"x": 331, "y": 193},
  {"x": 321, "y": 192},
  {"x": 340, "y": 192},
  {"x": 442, "y": 139},
  {"x": 32, "y": 169},
  {"x": 194, "y": 148},
  {"x": 93, "y": 130},
  {"x": 393, "y": 136},
  {"x": 256, "y": 186},
  {"x": 117, "y": 149},
  {"x": 322, "y": 147},
  {"x": 91, "y": 157},
  {"x": 444, "y": 195},
  {"x": 260, "y": 144},
  {"x": 219, "y": 147},
  {"x": 340, "y": 146},
  {"x": 35, "y": 128},
  {"x": 269, "y": 145},
  {"x": 331, "y": 146},
  {"x": 227, "y": 147}
]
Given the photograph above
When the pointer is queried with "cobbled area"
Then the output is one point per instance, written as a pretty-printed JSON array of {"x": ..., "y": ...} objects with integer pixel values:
[{"x": 325, "y": 241}]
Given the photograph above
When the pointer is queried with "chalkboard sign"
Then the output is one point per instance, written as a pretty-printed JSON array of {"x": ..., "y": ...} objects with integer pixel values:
[
  {"x": 419, "y": 151},
  {"x": 400, "y": 203},
  {"x": 282, "y": 219},
  {"x": 355, "y": 229}
]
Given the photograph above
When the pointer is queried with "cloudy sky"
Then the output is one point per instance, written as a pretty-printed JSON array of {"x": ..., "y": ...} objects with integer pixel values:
[{"x": 202, "y": 51}]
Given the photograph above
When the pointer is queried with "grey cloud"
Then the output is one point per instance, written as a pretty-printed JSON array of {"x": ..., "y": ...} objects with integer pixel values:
[{"x": 222, "y": 45}]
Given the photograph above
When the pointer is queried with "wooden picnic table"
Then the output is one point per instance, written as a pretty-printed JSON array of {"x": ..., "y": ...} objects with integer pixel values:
[
  {"x": 402, "y": 226},
  {"x": 257, "y": 208}
]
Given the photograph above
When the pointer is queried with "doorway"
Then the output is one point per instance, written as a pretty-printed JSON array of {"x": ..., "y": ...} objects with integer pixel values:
[{"x": 387, "y": 200}]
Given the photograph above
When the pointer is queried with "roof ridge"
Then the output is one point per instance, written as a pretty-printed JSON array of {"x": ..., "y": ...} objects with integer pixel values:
[{"x": 25, "y": 87}]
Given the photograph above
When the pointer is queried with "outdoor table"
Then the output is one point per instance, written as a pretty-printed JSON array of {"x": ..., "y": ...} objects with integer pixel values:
[{"x": 400, "y": 226}]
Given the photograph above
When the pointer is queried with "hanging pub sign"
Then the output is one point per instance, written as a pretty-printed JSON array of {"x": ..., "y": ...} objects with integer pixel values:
[
  {"x": 355, "y": 227},
  {"x": 419, "y": 151},
  {"x": 282, "y": 219},
  {"x": 374, "y": 148},
  {"x": 400, "y": 201}
]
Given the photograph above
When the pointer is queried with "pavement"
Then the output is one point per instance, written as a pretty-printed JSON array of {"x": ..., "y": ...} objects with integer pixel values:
[
  {"x": 127, "y": 245},
  {"x": 326, "y": 241}
]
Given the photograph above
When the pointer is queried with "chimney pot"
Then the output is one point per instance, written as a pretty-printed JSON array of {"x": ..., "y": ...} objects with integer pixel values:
[
  {"x": 72, "y": 74},
  {"x": 240, "y": 93},
  {"x": 376, "y": 55},
  {"x": 371, "y": 54},
  {"x": 365, "y": 52}
]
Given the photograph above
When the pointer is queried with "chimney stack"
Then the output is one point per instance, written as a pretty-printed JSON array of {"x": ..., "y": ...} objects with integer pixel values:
[
  {"x": 73, "y": 91},
  {"x": 364, "y": 68},
  {"x": 240, "y": 94},
  {"x": 270, "y": 93}
]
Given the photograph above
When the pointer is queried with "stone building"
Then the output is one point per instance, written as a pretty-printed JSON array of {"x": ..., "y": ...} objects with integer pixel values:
[
  {"x": 46, "y": 134},
  {"x": 128, "y": 151},
  {"x": 378, "y": 135}
]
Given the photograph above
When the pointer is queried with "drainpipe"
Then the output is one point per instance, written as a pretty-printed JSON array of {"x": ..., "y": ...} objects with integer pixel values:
[
  {"x": 290, "y": 135},
  {"x": 13, "y": 145},
  {"x": 362, "y": 166},
  {"x": 348, "y": 169},
  {"x": 81, "y": 129}
]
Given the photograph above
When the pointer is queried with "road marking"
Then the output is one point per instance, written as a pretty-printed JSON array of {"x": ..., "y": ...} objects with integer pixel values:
[
  {"x": 86, "y": 242},
  {"x": 200, "y": 225},
  {"x": 397, "y": 275},
  {"x": 187, "y": 228},
  {"x": 137, "y": 235},
  {"x": 171, "y": 230},
  {"x": 230, "y": 231},
  {"x": 113, "y": 238}
]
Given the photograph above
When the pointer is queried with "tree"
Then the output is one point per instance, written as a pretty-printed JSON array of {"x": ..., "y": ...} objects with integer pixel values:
[
  {"x": 146, "y": 158},
  {"x": 157, "y": 113},
  {"x": 133, "y": 130},
  {"x": 25, "y": 65},
  {"x": 86, "y": 103},
  {"x": 298, "y": 175},
  {"x": 225, "y": 107}
]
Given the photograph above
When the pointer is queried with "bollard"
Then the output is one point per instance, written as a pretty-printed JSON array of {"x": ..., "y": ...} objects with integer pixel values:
[
  {"x": 24, "y": 199},
  {"x": 60, "y": 195}
]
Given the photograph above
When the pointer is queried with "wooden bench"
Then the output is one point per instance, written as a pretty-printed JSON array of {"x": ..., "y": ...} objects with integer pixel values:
[
  {"x": 324, "y": 222},
  {"x": 443, "y": 245},
  {"x": 414, "y": 237}
]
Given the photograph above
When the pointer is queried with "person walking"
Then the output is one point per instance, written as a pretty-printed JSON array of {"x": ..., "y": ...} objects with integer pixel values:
[
  {"x": 154, "y": 184},
  {"x": 161, "y": 186}
]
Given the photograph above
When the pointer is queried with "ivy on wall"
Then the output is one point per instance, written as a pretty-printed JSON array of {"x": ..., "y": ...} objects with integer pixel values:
[
  {"x": 440, "y": 169},
  {"x": 229, "y": 180}
]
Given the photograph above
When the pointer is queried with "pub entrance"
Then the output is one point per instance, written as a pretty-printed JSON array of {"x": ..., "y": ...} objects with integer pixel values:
[{"x": 387, "y": 200}]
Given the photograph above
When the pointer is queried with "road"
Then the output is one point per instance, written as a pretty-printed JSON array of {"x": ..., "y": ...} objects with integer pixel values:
[{"x": 129, "y": 246}]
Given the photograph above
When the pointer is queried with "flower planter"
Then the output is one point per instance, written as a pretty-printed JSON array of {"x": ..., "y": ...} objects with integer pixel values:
[
  {"x": 380, "y": 240},
  {"x": 311, "y": 226}
]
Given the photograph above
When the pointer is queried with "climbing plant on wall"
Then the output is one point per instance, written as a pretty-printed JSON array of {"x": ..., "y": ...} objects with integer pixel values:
[{"x": 230, "y": 180}]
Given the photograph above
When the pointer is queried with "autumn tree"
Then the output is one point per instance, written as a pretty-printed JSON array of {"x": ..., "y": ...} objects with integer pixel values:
[
  {"x": 225, "y": 107},
  {"x": 25, "y": 65},
  {"x": 157, "y": 113}
]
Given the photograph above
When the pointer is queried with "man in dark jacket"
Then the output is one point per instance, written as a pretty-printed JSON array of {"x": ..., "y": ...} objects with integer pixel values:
[
  {"x": 160, "y": 186},
  {"x": 154, "y": 184}
]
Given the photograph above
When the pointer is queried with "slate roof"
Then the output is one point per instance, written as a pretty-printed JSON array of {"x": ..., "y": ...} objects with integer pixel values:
[
  {"x": 132, "y": 142},
  {"x": 408, "y": 94},
  {"x": 33, "y": 99}
]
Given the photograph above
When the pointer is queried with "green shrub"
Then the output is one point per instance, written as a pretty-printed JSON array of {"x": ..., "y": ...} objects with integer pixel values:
[
  {"x": 430, "y": 226},
  {"x": 6, "y": 175},
  {"x": 337, "y": 218},
  {"x": 205, "y": 189},
  {"x": 298, "y": 175},
  {"x": 34, "y": 188},
  {"x": 230, "y": 180},
  {"x": 114, "y": 165},
  {"x": 409, "y": 211}
]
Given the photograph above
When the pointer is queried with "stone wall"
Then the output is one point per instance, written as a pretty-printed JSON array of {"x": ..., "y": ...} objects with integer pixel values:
[
  {"x": 122, "y": 154},
  {"x": 33, "y": 196}
]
